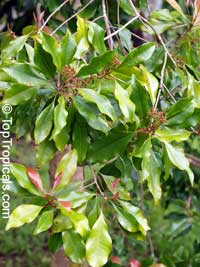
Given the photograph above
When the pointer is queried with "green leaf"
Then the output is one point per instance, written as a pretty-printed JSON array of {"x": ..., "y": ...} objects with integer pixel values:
[
  {"x": 136, "y": 212},
  {"x": 63, "y": 52},
  {"x": 125, "y": 5},
  {"x": 97, "y": 64},
  {"x": 45, "y": 222},
  {"x": 14, "y": 47},
  {"x": 76, "y": 199},
  {"x": 44, "y": 62},
  {"x": 126, "y": 105},
  {"x": 67, "y": 166},
  {"x": 81, "y": 37},
  {"x": 140, "y": 98},
  {"x": 55, "y": 242},
  {"x": 91, "y": 115},
  {"x": 26, "y": 74},
  {"x": 45, "y": 151},
  {"x": 51, "y": 45},
  {"x": 98, "y": 244},
  {"x": 60, "y": 117},
  {"x": 194, "y": 90},
  {"x": 177, "y": 157},
  {"x": 62, "y": 138},
  {"x": 20, "y": 173},
  {"x": 125, "y": 36},
  {"x": 67, "y": 49},
  {"x": 151, "y": 169},
  {"x": 139, "y": 55},
  {"x": 80, "y": 138},
  {"x": 169, "y": 134},
  {"x": 79, "y": 220},
  {"x": 107, "y": 147},
  {"x": 126, "y": 220},
  {"x": 101, "y": 101},
  {"x": 61, "y": 223},
  {"x": 96, "y": 37},
  {"x": 74, "y": 246},
  {"x": 19, "y": 93},
  {"x": 180, "y": 112},
  {"x": 150, "y": 83},
  {"x": 23, "y": 214},
  {"x": 44, "y": 124}
]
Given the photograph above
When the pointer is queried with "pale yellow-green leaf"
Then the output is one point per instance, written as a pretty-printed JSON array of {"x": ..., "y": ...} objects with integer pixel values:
[
  {"x": 98, "y": 244},
  {"x": 23, "y": 214},
  {"x": 178, "y": 158}
]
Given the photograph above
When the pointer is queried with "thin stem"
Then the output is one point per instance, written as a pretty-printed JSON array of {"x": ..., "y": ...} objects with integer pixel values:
[
  {"x": 162, "y": 75},
  {"x": 146, "y": 22},
  {"x": 53, "y": 13},
  {"x": 120, "y": 29},
  {"x": 169, "y": 93},
  {"x": 110, "y": 40},
  {"x": 95, "y": 180},
  {"x": 100, "y": 17},
  {"x": 73, "y": 16}
]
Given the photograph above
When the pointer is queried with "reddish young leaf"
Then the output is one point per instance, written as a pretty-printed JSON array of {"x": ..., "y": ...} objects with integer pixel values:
[
  {"x": 116, "y": 260},
  {"x": 134, "y": 263},
  {"x": 115, "y": 183},
  {"x": 35, "y": 178},
  {"x": 66, "y": 204},
  {"x": 57, "y": 180}
]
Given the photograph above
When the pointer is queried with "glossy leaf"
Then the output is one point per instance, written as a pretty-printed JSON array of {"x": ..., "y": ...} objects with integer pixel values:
[
  {"x": 101, "y": 101},
  {"x": 126, "y": 105},
  {"x": 25, "y": 74},
  {"x": 139, "y": 55},
  {"x": 107, "y": 147},
  {"x": 79, "y": 220},
  {"x": 80, "y": 138},
  {"x": 45, "y": 222},
  {"x": 18, "y": 94},
  {"x": 150, "y": 83},
  {"x": 44, "y": 62},
  {"x": 45, "y": 151},
  {"x": 136, "y": 212},
  {"x": 44, "y": 124},
  {"x": 81, "y": 38},
  {"x": 14, "y": 47},
  {"x": 97, "y": 64},
  {"x": 23, "y": 214},
  {"x": 60, "y": 117},
  {"x": 169, "y": 134},
  {"x": 76, "y": 199},
  {"x": 126, "y": 220},
  {"x": 177, "y": 157},
  {"x": 74, "y": 246},
  {"x": 67, "y": 166},
  {"x": 98, "y": 244},
  {"x": 61, "y": 223},
  {"x": 20, "y": 173},
  {"x": 91, "y": 114},
  {"x": 67, "y": 49},
  {"x": 96, "y": 37}
]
